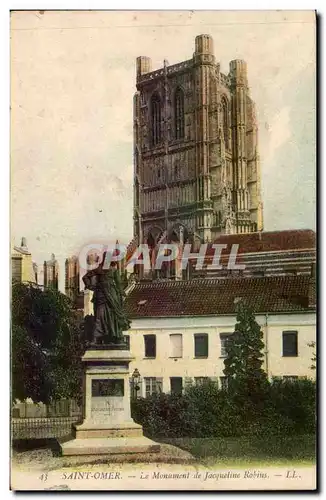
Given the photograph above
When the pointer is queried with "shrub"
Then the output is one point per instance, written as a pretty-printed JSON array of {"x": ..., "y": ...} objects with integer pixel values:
[{"x": 288, "y": 408}]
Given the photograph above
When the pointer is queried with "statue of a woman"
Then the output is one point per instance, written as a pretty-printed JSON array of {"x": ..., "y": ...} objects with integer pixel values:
[{"x": 110, "y": 317}]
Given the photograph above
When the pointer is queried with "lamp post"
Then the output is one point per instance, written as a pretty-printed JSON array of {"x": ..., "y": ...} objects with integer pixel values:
[{"x": 135, "y": 382}]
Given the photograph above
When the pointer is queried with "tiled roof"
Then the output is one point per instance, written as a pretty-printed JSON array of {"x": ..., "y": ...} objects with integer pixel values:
[
  {"x": 293, "y": 239},
  {"x": 201, "y": 297}
]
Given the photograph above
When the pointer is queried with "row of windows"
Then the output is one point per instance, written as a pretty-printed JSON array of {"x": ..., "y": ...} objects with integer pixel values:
[
  {"x": 176, "y": 345},
  {"x": 179, "y": 118},
  {"x": 154, "y": 385},
  {"x": 289, "y": 344}
]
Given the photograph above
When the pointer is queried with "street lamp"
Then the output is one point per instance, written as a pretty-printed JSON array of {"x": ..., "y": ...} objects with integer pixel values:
[{"x": 135, "y": 382}]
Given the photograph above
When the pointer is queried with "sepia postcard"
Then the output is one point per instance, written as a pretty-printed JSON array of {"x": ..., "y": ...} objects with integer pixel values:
[{"x": 163, "y": 250}]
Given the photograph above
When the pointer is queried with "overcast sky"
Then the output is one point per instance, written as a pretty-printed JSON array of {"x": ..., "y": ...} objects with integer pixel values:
[{"x": 72, "y": 84}]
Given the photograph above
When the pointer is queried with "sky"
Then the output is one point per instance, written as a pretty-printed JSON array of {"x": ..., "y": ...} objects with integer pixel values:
[{"x": 72, "y": 86}]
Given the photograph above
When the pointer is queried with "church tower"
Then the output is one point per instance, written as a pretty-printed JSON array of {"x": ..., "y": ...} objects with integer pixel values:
[{"x": 196, "y": 161}]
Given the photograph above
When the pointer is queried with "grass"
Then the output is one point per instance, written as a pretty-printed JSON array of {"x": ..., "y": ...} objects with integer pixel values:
[
  {"x": 271, "y": 450},
  {"x": 239, "y": 452}
]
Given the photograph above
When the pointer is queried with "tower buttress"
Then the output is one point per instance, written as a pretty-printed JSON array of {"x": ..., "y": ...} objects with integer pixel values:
[
  {"x": 137, "y": 169},
  {"x": 204, "y": 64},
  {"x": 239, "y": 91}
]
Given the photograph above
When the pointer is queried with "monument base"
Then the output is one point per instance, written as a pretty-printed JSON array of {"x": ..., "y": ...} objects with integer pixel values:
[
  {"x": 107, "y": 427},
  {"x": 109, "y": 446},
  {"x": 123, "y": 429}
]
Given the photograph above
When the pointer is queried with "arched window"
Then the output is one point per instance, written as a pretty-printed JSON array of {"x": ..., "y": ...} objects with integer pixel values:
[
  {"x": 225, "y": 121},
  {"x": 179, "y": 114},
  {"x": 156, "y": 119}
]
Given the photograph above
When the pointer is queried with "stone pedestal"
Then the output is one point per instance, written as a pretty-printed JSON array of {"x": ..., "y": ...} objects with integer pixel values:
[{"x": 107, "y": 427}]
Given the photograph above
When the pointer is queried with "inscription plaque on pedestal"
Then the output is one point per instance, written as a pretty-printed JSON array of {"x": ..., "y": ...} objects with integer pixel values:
[
  {"x": 107, "y": 387},
  {"x": 108, "y": 427}
]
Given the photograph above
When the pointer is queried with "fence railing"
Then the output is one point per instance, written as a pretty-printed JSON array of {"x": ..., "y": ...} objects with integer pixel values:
[{"x": 42, "y": 428}]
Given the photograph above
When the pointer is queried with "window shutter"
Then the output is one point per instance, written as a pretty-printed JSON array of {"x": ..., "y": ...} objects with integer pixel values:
[{"x": 176, "y": 345}]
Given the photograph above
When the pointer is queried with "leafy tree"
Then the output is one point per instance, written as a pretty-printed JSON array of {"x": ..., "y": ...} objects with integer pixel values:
[
  {"x": 314, "y": 358},
  {"x": 47, "y": 344},
  {"x": 243, "y": 366}
]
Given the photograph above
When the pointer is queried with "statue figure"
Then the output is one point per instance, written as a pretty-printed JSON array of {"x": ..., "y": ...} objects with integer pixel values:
[{"x": 109, "y": 315}]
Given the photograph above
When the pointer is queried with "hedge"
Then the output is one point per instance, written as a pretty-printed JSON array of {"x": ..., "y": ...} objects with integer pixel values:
[{"x": 287, "y": 407}]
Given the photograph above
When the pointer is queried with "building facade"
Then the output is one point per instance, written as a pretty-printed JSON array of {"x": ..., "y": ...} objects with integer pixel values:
[
  {"x": 196, "y": 159},
  {"x": 180, "y": 329},
  {"x": 23, "y": 269}
]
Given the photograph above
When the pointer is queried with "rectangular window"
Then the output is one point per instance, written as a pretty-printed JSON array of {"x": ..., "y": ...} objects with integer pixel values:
[
  {"x": 176, "y": 345},
  {"x": 224, "y": 383},
  {"x": 290, "y": 343},
  {"x": 290, "y": 378},
  {"x": 176, "y": 385},
  {"x": 225, "y": 340},
  {"x": 201, "y": 380},
  {"x": 153, "y": 385},
  {"x": 201, "y": 345},
  {"x": 150, "y": 346},
  {"x": 127, "y": 341}
]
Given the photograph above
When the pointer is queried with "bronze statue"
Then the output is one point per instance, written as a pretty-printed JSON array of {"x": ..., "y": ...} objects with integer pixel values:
[{"x": 109, "y": 315}]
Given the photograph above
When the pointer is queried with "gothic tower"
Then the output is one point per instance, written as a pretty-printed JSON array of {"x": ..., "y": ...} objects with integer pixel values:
[{"x": 196, "y": 162}]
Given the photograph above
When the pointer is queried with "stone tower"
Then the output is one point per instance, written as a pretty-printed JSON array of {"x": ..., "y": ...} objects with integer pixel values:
[
  {"x": 196, "y": 161},
  {"x": 72, "y": 276},
  {"x": 51, "y": 273}
]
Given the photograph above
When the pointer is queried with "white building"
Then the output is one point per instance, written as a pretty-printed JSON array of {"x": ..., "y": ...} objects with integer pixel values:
[{"x": 179, "y": 328}]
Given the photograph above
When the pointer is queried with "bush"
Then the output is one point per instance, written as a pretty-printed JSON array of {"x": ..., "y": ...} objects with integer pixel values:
[
  {"x": 165, "y": 415},
  {"x": 294, "y": 404},
  {"x": 287, "y": 408}
]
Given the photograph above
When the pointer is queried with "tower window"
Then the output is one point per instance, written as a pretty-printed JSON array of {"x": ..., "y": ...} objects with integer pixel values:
[
  {"x": 179, "y": 114},
  {"x": 156, "y": 119},
  {"x": 225, "y": 121}
]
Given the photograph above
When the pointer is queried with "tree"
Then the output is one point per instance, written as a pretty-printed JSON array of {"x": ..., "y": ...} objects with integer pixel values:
[
  {"x": 314, "y": 357},
  {"x": 47, "y": 343},
  {"x": 243, "y": 366}
]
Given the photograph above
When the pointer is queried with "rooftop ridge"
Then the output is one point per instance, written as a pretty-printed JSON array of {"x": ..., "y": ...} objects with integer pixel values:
[{"x": 219, "y": 280}]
